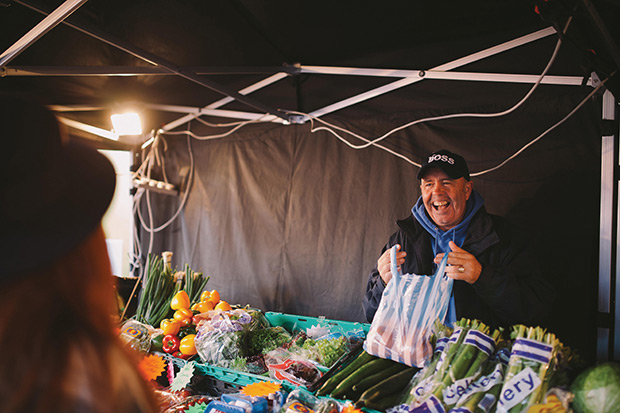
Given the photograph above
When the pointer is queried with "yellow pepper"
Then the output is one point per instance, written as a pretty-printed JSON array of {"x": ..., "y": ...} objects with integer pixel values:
[
  {"x": 170, "y": 326},
  {"x": 183, "y": 316},
  {"x": 203, "y": 306},
  {"x": 187, "y": 346},
  {"x": 180, "y": 300}
]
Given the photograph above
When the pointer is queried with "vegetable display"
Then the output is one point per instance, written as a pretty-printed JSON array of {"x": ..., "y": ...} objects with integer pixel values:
[{"x": 473, "y": 368}]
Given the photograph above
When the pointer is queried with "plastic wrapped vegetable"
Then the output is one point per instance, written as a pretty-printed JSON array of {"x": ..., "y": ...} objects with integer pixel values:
[
  {"x": 219, "y": 339},
  {"x": 532, "y": 363},
  {"x": 325, "y": 350},
  {"x": 264, "y": 340}
]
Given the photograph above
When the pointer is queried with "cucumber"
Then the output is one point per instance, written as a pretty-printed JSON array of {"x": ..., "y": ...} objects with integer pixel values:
[
  {"x": 384, "y": 403},
  {"x": 368, "y": 382},
  {"x": 344, "y": 389},
  {"x": 342, "y": 361},
  {"x": 387, "y": 387},
  {"x": 356, "y": 363}
]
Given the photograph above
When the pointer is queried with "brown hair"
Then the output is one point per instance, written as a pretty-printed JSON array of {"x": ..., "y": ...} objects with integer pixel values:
[{"x": 60, "y": 348}]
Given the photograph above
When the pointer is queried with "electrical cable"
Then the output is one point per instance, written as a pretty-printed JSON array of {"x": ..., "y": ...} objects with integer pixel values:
[
  {"x": 375, "y": 142},
  {"x": 561, "y": 121},
  {"x": 433, "y": 118},
  {"x": 219, "y": 125},
  {"x": 221, "y": 135},
  {"x": 181, "y": 206}
]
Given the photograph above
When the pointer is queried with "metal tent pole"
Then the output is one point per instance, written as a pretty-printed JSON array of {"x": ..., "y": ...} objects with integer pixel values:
[
  {"x": 52, "y": 20},
  {"x": 608, "y": 246},
  {"x": 161, "y": 62},
  {"x": 446, "y": 66}
]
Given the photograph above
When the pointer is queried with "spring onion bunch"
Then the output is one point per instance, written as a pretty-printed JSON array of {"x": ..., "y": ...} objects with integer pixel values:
[
  {"x": 195, "y": 284},
  {"x": 158, "y": 288}
]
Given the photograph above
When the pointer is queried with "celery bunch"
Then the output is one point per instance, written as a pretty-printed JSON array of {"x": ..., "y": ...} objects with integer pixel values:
[
  {"x": 464, "y": 362},
  {"x": 447, "y": 376},
  {"x": 532, "y": 362}
]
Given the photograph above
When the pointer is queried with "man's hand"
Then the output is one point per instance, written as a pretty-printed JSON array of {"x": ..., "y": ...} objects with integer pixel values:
[
  {"x": 384, "y": 263},
  {"x": 461, "y": 264}
]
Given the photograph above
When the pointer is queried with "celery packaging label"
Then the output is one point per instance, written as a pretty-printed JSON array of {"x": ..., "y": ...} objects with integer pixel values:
[
  {"x": 453, "y": 393},
  {"x": 423, "y": 387},
  {"x": 532, "y": 350},
  {"x": 430, "y": 405},
  {"x": 517, "y": 389},
  {"x": 484, "y": 383}
]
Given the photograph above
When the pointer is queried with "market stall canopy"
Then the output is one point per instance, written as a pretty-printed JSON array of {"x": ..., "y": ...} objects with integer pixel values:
[
  {"x": 281, "y": 212},
  {"x": 168, "y": 59}
]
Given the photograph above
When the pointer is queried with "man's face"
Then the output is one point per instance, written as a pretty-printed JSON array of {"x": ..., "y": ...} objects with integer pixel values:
[{"x": 445, "y": 198}]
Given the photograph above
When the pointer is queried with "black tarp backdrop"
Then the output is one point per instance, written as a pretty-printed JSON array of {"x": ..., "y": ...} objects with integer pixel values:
[
  {"x": 290, "y": 221},
  {"x": 286, "y": 220}
]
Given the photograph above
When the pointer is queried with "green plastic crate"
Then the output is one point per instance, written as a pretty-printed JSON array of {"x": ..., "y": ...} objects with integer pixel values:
[
  {"x": 289, "y": 322},
  {"x": 292, "y": 322},
  {"x": 236, "y": 377}
]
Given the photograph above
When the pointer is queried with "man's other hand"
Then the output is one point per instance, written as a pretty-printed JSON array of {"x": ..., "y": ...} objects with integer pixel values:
[{"x": 461, "y": 264}]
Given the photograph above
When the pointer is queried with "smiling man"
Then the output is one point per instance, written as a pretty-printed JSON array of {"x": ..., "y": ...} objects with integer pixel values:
[{"x": 496, "y": 278}]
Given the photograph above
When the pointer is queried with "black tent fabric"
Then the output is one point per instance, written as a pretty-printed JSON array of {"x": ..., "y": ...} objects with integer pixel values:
[
  {"x": 293, "y": 221},
  {"x": 286, "y": 219}
]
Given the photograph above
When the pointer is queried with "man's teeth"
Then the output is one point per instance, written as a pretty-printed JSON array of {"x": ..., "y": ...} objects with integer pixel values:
[{"x": 440, "y": 204}]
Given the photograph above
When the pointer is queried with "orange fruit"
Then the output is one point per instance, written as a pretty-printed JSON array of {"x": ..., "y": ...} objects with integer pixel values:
[{"x": 224, "y": 306}]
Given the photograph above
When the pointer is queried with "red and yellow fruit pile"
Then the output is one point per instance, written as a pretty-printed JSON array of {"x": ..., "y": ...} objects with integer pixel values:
[{"x": 179, "y": 332}]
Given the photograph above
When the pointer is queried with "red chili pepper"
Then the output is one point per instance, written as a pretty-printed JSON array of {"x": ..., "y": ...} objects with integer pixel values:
[{"x": 170, "y": 343}]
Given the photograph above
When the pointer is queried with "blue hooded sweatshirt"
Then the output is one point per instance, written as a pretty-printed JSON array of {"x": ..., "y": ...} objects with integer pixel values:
[{"x": 441, "y": 238}]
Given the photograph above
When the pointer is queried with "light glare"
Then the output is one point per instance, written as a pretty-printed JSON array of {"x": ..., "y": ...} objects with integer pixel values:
[{"x": 127, "y": 124}]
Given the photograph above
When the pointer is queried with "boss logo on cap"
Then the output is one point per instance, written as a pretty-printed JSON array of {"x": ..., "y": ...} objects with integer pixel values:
[{"x": 442, "y": 158}]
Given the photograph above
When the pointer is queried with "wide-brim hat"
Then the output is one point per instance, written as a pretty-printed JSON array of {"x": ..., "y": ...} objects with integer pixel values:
[{"x": 54, "y": 191}]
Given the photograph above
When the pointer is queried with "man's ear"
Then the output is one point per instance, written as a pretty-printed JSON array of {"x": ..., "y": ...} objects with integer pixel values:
[{"x": 469, "y": 187}]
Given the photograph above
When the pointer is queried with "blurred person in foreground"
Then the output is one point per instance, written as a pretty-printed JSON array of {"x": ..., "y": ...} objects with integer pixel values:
[
  {"x": 497, "y": 279},
  {"x": 60, "y": 349}
]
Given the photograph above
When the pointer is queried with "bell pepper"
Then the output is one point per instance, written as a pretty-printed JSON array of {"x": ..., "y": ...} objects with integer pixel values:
[
  {"x": 170, "y": 326},
  {"x": 213, "y": 296},
  {"x": 170, "y": 343},
  {"x": 180, "y": 355},
  {"x": 186, "y": 330},
  {"x": 203, "y": 306},
  {"x": 157, "y": 342},
  {"x": 180, "y": 300},
  {"x": 183, "y": 313},
  {"x": 187, "y": 345}
]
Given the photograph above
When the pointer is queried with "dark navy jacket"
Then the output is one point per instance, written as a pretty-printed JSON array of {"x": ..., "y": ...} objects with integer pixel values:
[{"x": 510, "y": 290}]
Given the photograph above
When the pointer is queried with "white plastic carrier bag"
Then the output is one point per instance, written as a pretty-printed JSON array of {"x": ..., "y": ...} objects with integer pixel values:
[{"x": 410, "y": 305}]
